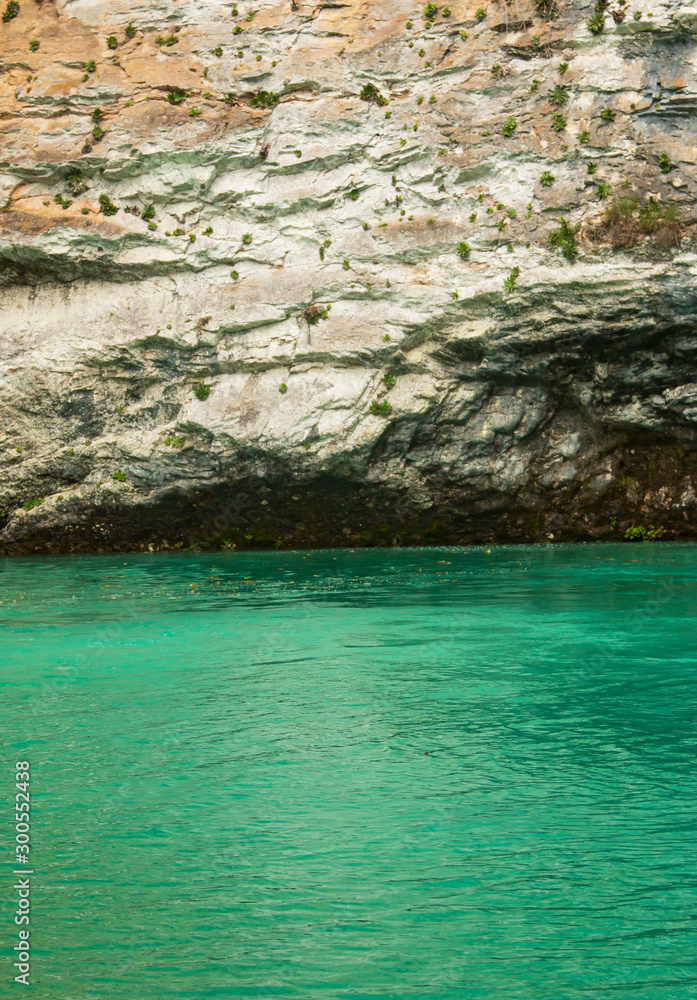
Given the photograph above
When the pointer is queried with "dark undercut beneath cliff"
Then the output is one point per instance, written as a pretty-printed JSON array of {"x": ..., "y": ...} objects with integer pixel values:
[{"x": 648, "y": 495}]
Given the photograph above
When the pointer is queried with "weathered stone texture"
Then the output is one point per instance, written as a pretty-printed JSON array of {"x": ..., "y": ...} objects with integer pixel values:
[{"x": 565, "y": 407}]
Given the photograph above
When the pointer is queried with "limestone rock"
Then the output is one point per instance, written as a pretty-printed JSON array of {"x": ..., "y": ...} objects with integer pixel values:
[{"x": 233, "y": 310}]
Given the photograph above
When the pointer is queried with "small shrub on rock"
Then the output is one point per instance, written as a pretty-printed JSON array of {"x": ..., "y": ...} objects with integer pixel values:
[
  {"x": 510, "y": 282},
  {"x": 106, "y": 206},
  {"x": 383, "y": 409},
  {"x": 263, "y": 99},
  {"x": 596, "y": 23},
  {"x": 202, "y": 391},
  {"x": 565, "y": 238},
  {"x": 664, "y": 163},
  {"x": 313, "y": 314},
  {"x": 627, "y": 219},
  {"x": 11, "y": 11},
  {"x": 371, "y": 94},
  {"x": 75, "y": 182},
  {"x": 559, "y": 95}
]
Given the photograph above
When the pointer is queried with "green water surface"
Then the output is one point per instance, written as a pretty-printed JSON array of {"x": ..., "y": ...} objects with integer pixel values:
[{"x": 379, "y": 774}]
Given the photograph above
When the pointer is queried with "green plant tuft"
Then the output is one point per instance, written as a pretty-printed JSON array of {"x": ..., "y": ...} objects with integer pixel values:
[
  {"x": 383, "y": 409},
  {"x": 202, "y": 391},
  {"x": 510, "y": 282},
  {"x": 559, "y": 95},
  {"x": 106, "y": 206},
  {"x": 371, "y": 94},
  {"x": 629, "y": 218},
  {"x": 177, "y": 95},
  {"x": 313, "y": 314},
  {"x": 263, "y": 99},
  {"x": 596, "y": 23},
  {"x": 638, "y": 533},
  {"x": 11, "y": 11},
  {"x": 75, "y": 182},
  {"x": 664, "y": 163},
  {"x": 565, "y": 238},
  {"x": 463, "y": 250}
]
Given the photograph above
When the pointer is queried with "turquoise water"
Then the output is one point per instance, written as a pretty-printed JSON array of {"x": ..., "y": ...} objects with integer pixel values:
[{"x": 385, "y": 774}]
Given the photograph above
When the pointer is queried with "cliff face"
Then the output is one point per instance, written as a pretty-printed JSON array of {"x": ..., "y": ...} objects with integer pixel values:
[{"x": 252, "y": 269}]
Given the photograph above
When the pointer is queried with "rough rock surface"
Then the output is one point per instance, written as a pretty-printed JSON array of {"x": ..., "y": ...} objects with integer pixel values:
[{"x": 367, "y": 384}]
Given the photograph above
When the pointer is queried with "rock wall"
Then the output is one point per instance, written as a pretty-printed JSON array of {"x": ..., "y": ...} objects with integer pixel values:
[{"x": 294, "y": 273}]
